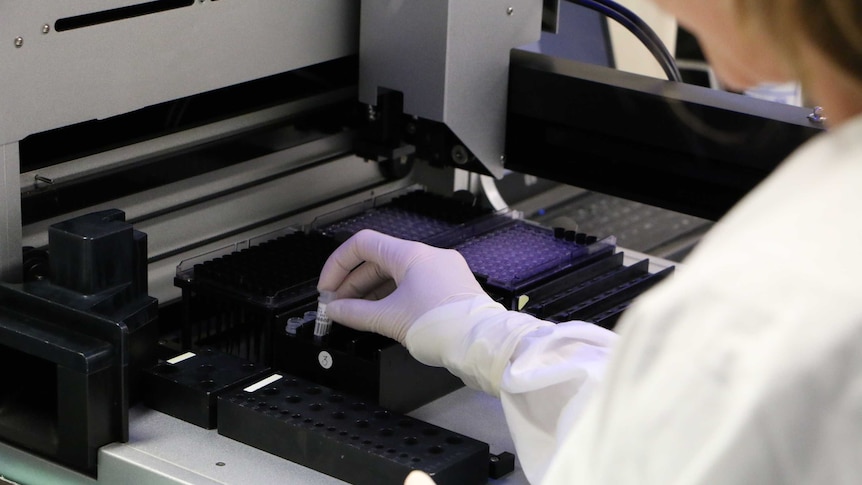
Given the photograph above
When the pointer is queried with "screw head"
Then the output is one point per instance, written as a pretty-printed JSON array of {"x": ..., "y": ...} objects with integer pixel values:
[
  {"x": 459, "y": 154},
  {"x": 816, "y": 115},
  {"x": 19, "y": 41},
  {"x": 510, "y": 10},
  {"x": 46, "y": 28}
]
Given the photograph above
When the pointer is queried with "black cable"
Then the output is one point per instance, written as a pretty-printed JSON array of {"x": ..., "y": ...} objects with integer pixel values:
[
  {"x": 645, "y": 34},
  {"x": 640, "y": 29}
]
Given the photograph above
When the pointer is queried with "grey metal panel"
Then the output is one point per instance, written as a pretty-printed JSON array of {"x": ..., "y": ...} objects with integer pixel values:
[
  {"x": 10, "y": 214},
  {"x": 240, "y": 210},
  {"x": 190, "y": 138},
  {"x": 55, "y": 79},
  {"x": 201, "y": 190},
  {"x": 403, "y": 46},
  {"x": 451, "y": 60},
  {"x": 28, "y": 469}
]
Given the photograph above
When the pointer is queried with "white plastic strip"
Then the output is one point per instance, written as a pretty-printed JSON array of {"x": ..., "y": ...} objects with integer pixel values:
[
  {"x": 181, "y": 357},
  {"x": 269, "y": 380}
]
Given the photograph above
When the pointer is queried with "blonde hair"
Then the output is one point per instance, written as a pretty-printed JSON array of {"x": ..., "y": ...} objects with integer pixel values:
[{"x": 834, "y": 27}]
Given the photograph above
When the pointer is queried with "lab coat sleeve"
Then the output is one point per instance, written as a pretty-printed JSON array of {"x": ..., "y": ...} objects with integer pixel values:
[{"x": 543, "y": 373}]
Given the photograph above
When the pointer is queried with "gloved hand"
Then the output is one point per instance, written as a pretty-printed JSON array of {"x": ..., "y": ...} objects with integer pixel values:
[
  {"x": 384, "y": 284},
  {"x": 418, "y": 477}
]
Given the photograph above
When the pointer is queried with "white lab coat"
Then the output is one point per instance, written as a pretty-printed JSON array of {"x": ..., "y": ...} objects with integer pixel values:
[{"x": 745, "y": 367}]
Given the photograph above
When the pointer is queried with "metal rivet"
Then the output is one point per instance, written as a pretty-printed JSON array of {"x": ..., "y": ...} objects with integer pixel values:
[
  {"x": 46, "y": 28},
  {"x": 510, "y": 10},
  {"x": 19, "y": 41}
]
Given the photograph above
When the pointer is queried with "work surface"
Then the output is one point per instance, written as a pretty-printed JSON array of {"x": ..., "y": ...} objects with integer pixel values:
[{"x": 165, "y": 450}]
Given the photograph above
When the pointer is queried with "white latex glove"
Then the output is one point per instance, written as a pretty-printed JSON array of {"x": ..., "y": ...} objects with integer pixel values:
[
  {"x": 384, "y": 284},
  {"x": 418, "y": 477}
]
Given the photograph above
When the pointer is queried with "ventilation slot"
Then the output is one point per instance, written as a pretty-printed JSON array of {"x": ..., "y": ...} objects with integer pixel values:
[{"x": 122, "y": 13}]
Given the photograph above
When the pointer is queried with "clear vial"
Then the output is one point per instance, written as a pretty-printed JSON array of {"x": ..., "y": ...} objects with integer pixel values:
[{"x": 323, "y": 323}]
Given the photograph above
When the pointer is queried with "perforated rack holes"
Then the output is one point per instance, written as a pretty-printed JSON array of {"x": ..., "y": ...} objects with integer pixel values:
[
  {"x": 417, "y": 216},
  {"x": 347, "y": 437},
  {"x": 511, "y": 257}
]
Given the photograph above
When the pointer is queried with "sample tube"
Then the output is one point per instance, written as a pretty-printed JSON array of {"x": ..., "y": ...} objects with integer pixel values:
[
  {"x": 293, "y": 324},
  {"x": 323, "y": 323}
]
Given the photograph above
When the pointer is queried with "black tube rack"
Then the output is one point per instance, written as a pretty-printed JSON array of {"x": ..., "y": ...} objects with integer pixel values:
[
  {"x": 346, "y": 437},
  {"x": 186, "y": 386}
]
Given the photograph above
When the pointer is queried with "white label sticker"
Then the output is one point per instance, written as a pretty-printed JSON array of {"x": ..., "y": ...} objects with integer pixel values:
[
  {"x": 180, "y": 358},
  {"x": 325, "y": 359},
  {"x": 269, "y": 380}
]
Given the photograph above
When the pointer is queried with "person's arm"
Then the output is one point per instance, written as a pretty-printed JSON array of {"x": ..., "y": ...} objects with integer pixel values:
[
  {"x": 428, "y": 299},
  {"x": 543, "y": 373}
]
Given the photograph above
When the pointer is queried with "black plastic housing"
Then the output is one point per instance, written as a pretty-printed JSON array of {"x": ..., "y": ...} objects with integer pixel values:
[
  {"x": 598, "y": 292},
  {"x": 673, "y": 145},
  {"x": 64, "y": 401},
  {"x": 368, "y": 365},
  {"x": 83, "y": 335},
  {"x": 239, "y": 303}
]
